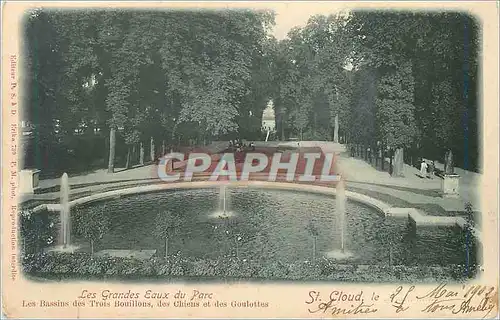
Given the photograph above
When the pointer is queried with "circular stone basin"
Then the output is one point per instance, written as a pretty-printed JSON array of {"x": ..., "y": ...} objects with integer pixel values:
[{"x": 269, "y": 225}]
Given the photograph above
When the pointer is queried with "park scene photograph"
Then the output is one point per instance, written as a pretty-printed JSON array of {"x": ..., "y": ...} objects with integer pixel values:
[{"x": 242, "y": 145}]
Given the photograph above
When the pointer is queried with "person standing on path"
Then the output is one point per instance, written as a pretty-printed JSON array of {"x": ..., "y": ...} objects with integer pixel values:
[
  {"x": 423, "y": 169},
  {"x": 431, "y": 169}
]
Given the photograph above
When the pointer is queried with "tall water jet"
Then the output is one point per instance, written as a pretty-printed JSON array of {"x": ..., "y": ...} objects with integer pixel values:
[
  {"x": 222, "y": 199},
  {"x": 223, "y": 210},
  {"x": 64, "y": 244},
  {"x": 340, "y": 212},
  {"x": 65, "y": 212}
]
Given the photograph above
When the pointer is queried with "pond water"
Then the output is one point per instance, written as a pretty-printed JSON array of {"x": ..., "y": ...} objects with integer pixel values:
[{"x": 269, "y": 225}]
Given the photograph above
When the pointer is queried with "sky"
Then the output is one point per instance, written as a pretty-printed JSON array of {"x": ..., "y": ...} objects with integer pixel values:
[{"x": 289, "y": 16}]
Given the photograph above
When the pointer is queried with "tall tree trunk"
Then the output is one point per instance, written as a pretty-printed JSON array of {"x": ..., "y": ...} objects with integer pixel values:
[
  {"x": 382, "y": 156},
  {"x": 112, "y": 145},
  {"x": 163, "y": 147},
  {"x": 448, "y": 163},
  {"x": 166, "y": 247},
  {"x": 92, "y": 247},
  {"x": 282, "y": 128},
  {"x": 133, "y": 154},
  {"x": 152, "y": 149},
  {"x": 390, "y": 161},
  {"x": 336, "y": 129},
  {"x": 106, "y": 147},
  {"x": 398, "y": 170},
  {"x": 141, "y": 153},
  {"x": 127, "y": 163}
]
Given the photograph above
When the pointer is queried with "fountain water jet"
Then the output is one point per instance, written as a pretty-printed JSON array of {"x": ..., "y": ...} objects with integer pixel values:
[
  {"x": 222, "y": 211},
  {"x": 341, "y": 200},
  {"x": 65, "y": 214},
  {"x": 223, "y": 197}
]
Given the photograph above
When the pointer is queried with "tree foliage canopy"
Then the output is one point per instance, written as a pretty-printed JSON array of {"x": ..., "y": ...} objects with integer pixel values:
[{"x": 407, "y": 79}]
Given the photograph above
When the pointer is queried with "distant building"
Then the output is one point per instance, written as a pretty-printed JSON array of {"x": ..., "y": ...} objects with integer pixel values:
[{"x": 268, "y": 120}]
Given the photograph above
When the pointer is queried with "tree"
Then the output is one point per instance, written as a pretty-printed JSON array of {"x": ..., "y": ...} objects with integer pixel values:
[
  {"x": 363, "y": 107},
  {"x": 37, "y": 231},
  {"x": 395, "y": 110},
  {"x": 169, "y": 76},
  {"x": 92, "y": 223},
  {"x": 166, "y": 226},
  {"x": 132, "y": 137},
  {"x": 441, "y": 49},
  {"x": 314, "y": 87},
  {"x": 452, "y": 111},
  {"x": 146, "y": 78},
  {"x": 446, "y": 87},
  {"x": 213, "y": 75},
  {"x": 62, "y": 72}
]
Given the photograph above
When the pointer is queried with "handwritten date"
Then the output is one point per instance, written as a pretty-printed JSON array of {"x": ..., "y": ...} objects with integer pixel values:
[
  {"x": 399, "y": 298},
  {"x": 473, "y": 299}
]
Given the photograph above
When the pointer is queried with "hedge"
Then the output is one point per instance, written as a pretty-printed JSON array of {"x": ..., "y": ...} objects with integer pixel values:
[{"x": 82, "y": 265}]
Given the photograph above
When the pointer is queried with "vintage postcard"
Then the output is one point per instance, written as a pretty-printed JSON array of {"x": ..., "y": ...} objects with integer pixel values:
[{"x": 250, "y": 159}]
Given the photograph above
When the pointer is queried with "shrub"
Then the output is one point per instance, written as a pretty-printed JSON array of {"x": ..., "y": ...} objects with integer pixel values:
[
  {"x": 36, "y": 230},
  {"x": 83, "y": 265},
  {"x": 203, "y": 268}
]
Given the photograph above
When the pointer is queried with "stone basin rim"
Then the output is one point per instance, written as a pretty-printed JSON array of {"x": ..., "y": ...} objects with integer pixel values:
[{"x": 378, "y": 205}]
